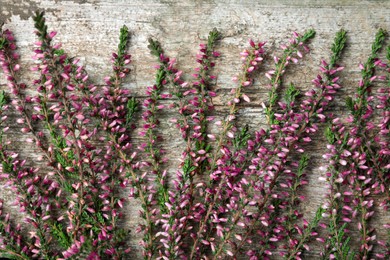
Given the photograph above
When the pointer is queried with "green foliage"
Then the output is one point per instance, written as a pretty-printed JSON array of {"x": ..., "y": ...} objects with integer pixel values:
[
  {"x": 160, "y": 77},
  {"x": 360, "y": 103},
  {"x": 59, "y": 52},
  {"x": 7, "y": 166},
  {"x": 123, "y": 41},
  {"x": 269, "y": 111},
  {"x": 214, "y": 36},
  {"x": 340, "y": 243},
  {"x": 96, "y": 221},
  {"x": 155, "y": 48},
  {"x": 59, "y": 233},
  {"x": 241, "y": 139},
  {"x": 9, "y": 256},
  {"x": 40, "y": 25},
  {"x": 63, "y": 158},
  {"x": 338, "y": 46},
  {"x": 330, "y": 135},
  {"x": 303, "y": 162},
  {"x": 4, "y": 99},
  {"x": 317, "y": 218},
  {"x": 380, "y": 38},
  {"x": 307, "y": 36},
  {"x": 368, "y": 70},
  {"x": 388, "y": 53},
  {"x": 350, "y": 103},
  {"x": 306, "y": 236},
  {"x": 276, "y": 79},
  {"x": 3, "y": 42},
  {"x": 131, "y": 109},
  {"x": 187, "y": 169},
  {"x": 291, "y": 93}
]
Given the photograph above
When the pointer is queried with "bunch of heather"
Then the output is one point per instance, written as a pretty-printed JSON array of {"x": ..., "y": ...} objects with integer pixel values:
[
  {"x": 234, "y": 193},
  {"x": 233, "y": 196},
  {"x": 358, "y": 149},
  {"x": 268, "y": 170},
  {"x": 72, "y": 201}
]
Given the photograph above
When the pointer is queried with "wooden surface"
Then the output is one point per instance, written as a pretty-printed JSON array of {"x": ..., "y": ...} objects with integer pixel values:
[{"x": 89, "y": 29}]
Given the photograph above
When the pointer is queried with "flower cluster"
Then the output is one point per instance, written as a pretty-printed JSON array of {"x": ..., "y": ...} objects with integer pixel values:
[
  {"x": 234, "y": 193},
  {"x": 358, "y": 164}
]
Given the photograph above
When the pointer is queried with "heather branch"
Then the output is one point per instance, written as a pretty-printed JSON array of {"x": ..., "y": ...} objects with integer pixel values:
[
  {"x": 361, "y": 113},
  {"x": 305, "y": 236},
  {"x": 202, "y": 103},
  {"x": 337, "y": 242},
  {"x": 251, "y": 60},
  {"x": 153, "y": 151},
  {"x": 59, "y": 82},
  {"x": 8, "y": 59},
  {"x": 236, "y": 218},
  {"x": 197, "y": 147},
  {"x": 7, "y": 55},
  {"x": 358, "y": 106},
  {"x": 275, "y": 76}
]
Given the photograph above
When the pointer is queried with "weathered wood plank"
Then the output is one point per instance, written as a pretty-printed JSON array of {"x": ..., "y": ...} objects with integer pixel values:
[{"x": 89, "y": 29}]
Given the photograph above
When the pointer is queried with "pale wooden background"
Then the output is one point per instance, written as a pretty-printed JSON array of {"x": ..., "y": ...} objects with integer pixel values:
[{"x": 89, "y": 29}]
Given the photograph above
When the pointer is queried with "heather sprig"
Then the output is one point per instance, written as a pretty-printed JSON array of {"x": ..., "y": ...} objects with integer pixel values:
[
  {"x": 275, "y": 75},
  {"x": 193, "y": 104},
  {"x": 151, "y": 146},
  {"x": 35, "y": 197},
  {"x": 364, "y": 158},
  {"x": 305, "y": 235},
  {"x": 222, "y": 156},
  {"x": 68, "y": 131},
  {"x": 337, "y": 241},
  {"x": 174, "y": 222},
  {"x": 177, "y": 86},
  {"x": 202, "y": 100}
]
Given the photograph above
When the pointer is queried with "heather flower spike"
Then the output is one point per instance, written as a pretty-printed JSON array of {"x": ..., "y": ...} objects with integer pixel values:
[
  {"x": 275, "y": 76},
  {"x": 235, "y": 192},
  {"x": 355, "y": 169}
]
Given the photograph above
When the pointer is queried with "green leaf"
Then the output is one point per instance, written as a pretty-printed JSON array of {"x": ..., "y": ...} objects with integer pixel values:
[
  {"x": 155, "y": 48},
  {"x": 60, "y": 234},
  {"x": 3, "y": 43},
  {"x": 39, "y": 24},
  {"x": 214, "y": 36},
  {"x": 303, "y": 162},
  {"x": 123, "y": 40},
  {"x": 291, "y": 93},
  {"x": 7, "y": 167},
  {"x": 160, "y": 77},
  {"x": 241, "y": 139},
  {"x": 330, "y": 136},
  {"x": 388, "y": 53},
  {"x": 350, "y": 103},
  {"x": 187, "y": 168},
  {"x": 131, "y": 109},
  {"x": 307, "y": 36},
  {"x": 378, "y": 42},
  {"x": 338, "y": 46},
  {"x": 4, "y": 99},
  {"x": 59, "y": 52}
]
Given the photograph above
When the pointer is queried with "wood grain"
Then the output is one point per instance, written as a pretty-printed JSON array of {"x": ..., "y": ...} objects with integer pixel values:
[{"x": 89, "y": 29}]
